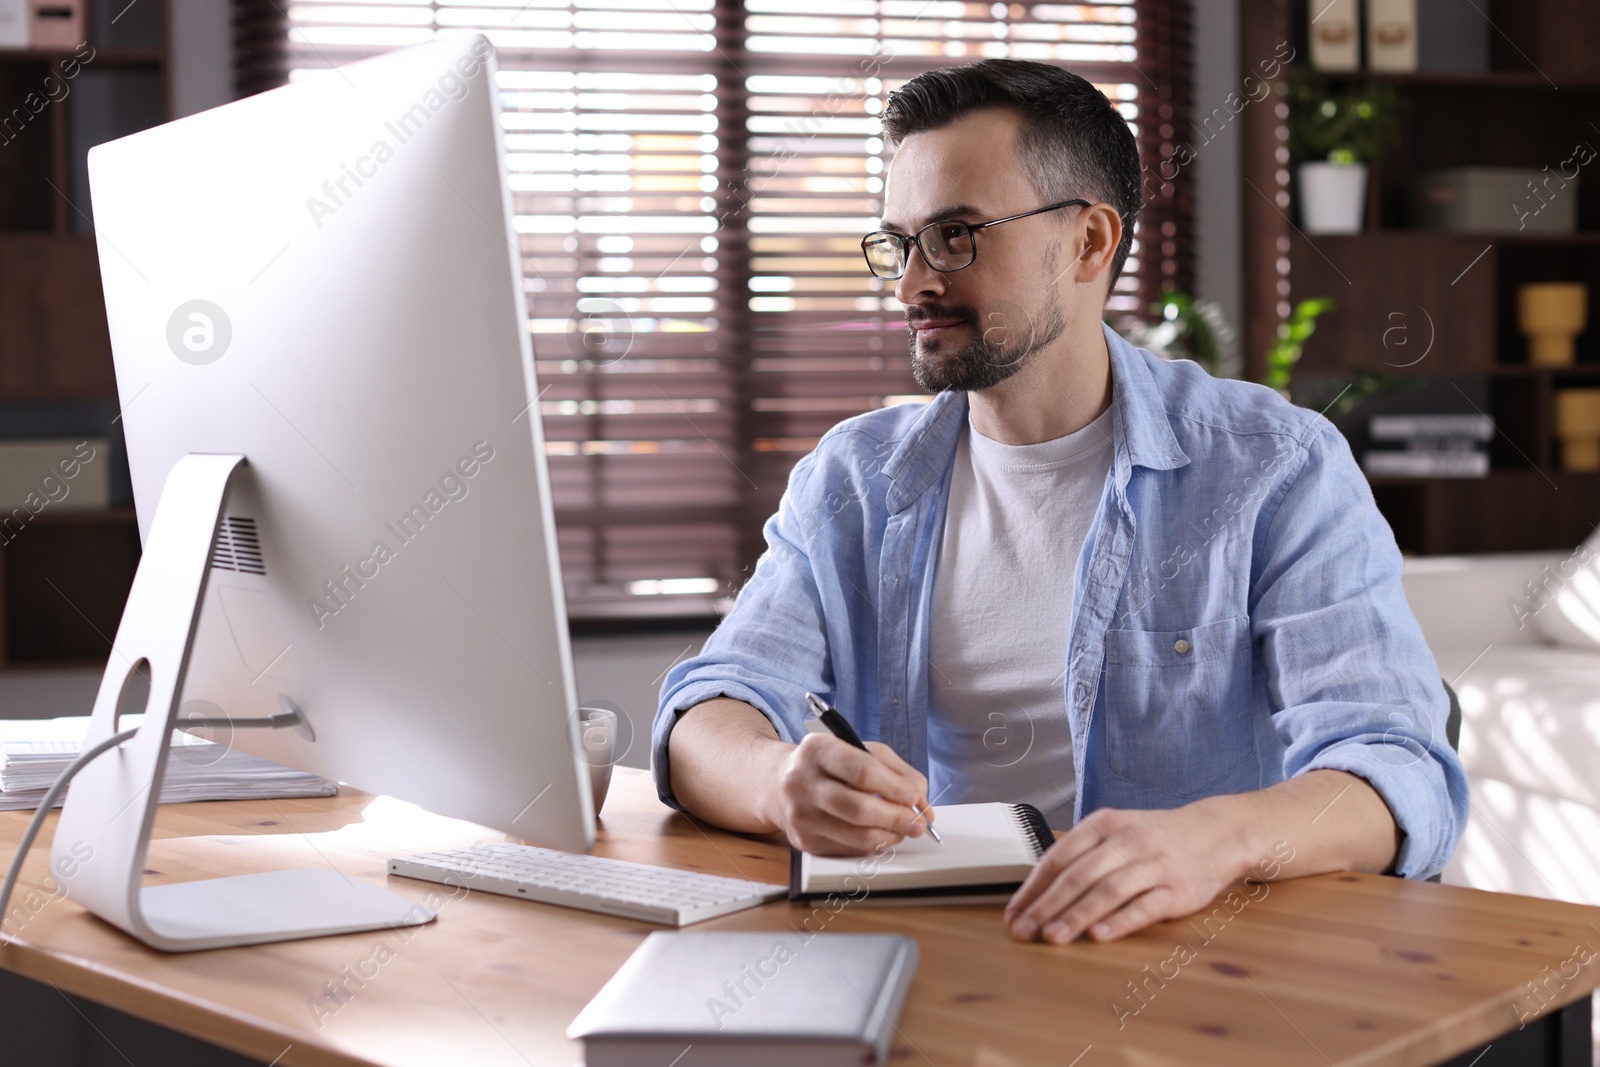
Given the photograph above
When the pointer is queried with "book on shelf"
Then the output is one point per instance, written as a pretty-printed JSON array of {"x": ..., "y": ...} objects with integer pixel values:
[
  {"x": 1442, "y": 444},
  {"x": 1427, "y": 463},
  {"x": 1431, "y": 427}
]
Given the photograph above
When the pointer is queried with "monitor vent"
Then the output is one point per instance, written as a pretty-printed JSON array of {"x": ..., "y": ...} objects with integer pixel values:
[{"x": 238, "y": 547}]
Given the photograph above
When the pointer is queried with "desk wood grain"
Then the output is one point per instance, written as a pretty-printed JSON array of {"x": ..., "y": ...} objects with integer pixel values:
[{"x": 1335, "y": 969}]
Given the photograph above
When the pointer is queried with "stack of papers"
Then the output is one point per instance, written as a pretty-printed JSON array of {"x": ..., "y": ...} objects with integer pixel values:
[{"x": 34, "y": 752}]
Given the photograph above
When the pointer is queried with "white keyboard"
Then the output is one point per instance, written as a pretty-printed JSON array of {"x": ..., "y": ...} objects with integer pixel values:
[{"x": 574, "y": 880}]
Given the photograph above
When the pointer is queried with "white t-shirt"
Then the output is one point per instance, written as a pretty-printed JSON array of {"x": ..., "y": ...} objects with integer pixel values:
[{"x": 1002, "y": 604}]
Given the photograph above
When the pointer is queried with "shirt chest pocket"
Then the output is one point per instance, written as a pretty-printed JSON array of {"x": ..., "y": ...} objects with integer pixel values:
[{"x": 1177, "y": 705}]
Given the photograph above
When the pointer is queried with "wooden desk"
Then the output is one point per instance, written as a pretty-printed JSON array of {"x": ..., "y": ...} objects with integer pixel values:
[{"x": 1337, "y": 969}]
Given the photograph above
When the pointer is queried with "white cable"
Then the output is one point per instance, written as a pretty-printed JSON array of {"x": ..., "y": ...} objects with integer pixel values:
[{"x": 39, "y": 817}]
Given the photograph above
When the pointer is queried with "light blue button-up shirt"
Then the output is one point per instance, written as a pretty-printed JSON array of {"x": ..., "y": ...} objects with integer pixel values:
[{"x": 1237, "y": 617}]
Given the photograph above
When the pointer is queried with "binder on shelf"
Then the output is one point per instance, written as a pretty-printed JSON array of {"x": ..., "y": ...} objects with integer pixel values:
[
  {"x": 1392, "y": 35},
  {"x": 14, "y": 24},
  {"x": 1335, "y": 40},
  {"x": 57, "y": 23}
]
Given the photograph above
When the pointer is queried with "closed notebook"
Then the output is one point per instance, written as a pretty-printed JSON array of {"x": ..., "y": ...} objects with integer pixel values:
[
  {"x": 777, "y": 999},
  {"x": 988, "y": 850}
]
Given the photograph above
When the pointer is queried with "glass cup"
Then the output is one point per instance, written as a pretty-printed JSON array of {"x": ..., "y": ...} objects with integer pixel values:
[{"x": 597, "y": 733}]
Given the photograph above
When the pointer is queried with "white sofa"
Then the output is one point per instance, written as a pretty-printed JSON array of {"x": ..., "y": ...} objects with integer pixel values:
[{"x": 1530, "y": 731}]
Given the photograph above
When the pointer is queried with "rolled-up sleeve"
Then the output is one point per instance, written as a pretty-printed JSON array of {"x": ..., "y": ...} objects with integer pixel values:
[
  {"x": 771, "y": 649},
  {"x": 1352, "y": 683}
]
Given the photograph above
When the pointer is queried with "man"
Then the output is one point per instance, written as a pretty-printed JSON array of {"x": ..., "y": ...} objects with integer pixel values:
[{"x": 1161, "y": 607}]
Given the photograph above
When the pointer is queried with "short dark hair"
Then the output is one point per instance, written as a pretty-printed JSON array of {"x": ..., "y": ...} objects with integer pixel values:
[{"x": 1073, "y": 141}]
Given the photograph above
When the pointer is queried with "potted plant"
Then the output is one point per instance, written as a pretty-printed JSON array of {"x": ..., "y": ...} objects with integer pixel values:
[{"x": 1333, "y": 136}]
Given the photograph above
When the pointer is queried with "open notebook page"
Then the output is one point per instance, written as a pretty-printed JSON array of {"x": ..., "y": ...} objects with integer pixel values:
[{"x": 983, "y": 844}]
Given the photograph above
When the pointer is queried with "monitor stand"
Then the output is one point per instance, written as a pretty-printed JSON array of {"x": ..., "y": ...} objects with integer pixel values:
[{"x": 104, "y": 830}]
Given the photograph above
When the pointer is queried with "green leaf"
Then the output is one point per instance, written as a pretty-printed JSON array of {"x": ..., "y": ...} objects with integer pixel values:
[{"x": 1292, "y": 334}]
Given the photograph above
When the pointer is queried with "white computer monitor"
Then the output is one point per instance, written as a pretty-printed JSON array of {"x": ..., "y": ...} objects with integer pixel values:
[{"x": 317, "y": 313}]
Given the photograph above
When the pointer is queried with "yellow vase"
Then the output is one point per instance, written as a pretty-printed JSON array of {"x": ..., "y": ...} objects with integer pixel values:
[
  {"x": 1578, "y": 426},
  {"x": 1552, "y": 314}
]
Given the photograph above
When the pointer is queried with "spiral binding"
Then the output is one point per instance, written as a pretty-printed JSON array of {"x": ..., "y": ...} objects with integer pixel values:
[{"x": 1032, "y": 822}]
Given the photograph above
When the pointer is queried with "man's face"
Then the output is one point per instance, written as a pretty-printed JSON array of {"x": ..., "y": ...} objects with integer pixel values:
[{"x": 973, "y": 328}]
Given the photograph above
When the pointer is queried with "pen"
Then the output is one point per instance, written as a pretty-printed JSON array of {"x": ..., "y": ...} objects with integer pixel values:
[{"x": 839, "y": 727}]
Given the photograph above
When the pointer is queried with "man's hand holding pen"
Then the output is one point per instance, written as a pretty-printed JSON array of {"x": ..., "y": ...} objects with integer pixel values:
[{"x": 837, "y": 799}]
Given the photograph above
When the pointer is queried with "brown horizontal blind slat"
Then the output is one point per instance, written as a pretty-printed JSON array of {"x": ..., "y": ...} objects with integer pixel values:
[
  {"x": 1165, "y": 81},
  {"x": 260, "y": 46}
]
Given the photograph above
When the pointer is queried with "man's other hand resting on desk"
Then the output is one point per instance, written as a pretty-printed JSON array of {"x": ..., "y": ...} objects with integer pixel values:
[{"x": 1159, "y": 606}]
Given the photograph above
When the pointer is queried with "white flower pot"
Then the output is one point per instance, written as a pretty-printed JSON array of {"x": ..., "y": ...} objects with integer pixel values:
[{"x": 1333, "y": 197}]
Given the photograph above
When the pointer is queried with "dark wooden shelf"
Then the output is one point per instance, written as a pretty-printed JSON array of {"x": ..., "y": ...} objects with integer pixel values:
[
  {"x": 85, "y": 517},
  {"x": 66, "y": 578},
  {"x": 1374, "y": 276},
  {"x": 1386, "y": 481},
  {"x": 42, "y": 666},
  {"x": 1496, "y": 370},
  {"x": 1465, "y": 79},
  {"x": 110, "y": 57},
  {"x": 1581, "y": 239},
  {"x": 52, "y": 319},
  {"x": 1512, "y": 510},
  {"x": 1578, "y": 371}
]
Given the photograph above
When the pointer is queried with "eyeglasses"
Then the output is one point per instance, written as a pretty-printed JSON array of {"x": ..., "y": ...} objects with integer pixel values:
[{"x": 945, "y": 246}]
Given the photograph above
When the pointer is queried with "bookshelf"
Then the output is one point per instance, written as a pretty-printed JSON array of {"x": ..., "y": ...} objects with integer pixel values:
[
  {"x": 1457, "y": 291},
  {"x": 64, "y": 574}
]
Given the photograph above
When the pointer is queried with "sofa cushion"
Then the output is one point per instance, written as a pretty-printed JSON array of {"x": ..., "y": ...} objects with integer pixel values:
[
  {"x": 1530, "y": 716},
  {"x": 1476, "y": 600},
  {"x": 1566, "y": 599},
  {"x": 1523, "y": 841}
]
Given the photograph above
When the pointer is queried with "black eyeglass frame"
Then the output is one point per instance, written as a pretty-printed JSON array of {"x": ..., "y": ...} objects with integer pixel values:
[{"x": 905, "y": 241}]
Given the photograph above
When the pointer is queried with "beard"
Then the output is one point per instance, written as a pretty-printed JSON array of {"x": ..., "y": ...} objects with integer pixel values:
[{"x": 986, "y": 356}]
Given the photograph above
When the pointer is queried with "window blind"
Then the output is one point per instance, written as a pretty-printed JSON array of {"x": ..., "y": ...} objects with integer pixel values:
[{"x": 692, "y": 179}]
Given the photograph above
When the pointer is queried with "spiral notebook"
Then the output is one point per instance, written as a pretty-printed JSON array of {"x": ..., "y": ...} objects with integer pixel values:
[{"x": 988, "y": 850}]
